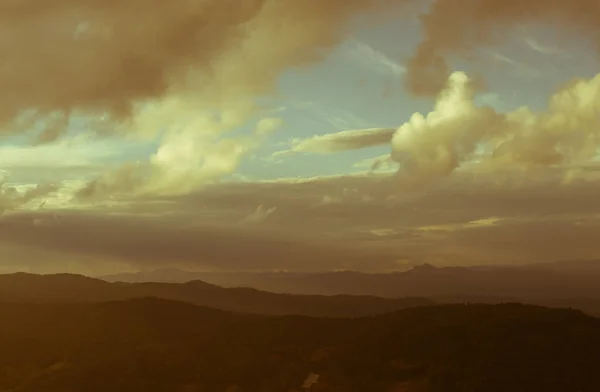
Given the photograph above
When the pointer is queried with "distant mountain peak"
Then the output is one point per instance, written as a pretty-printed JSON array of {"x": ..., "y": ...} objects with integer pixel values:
[{"x": 425, "y": 267}]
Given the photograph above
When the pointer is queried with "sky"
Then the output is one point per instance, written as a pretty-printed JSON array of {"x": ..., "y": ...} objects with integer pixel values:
[{"x": 297, "y": 135}]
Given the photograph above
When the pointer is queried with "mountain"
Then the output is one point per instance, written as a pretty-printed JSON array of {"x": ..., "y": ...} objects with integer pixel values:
[
  {"x": 424, "y": 285},
  {"x": 540, "y": 281},
  {"x": 157, "y": 345},
  {"x": 163, "y": 275},
  {"x": 66, "y": 288},
  {"x": 572, "y": 266},
  {"x": 224, "y": 279},
  {"x": 562, "y": 284}
]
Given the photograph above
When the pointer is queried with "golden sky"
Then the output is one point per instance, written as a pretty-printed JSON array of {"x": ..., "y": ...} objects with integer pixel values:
[{"x": 297, "y": 134}]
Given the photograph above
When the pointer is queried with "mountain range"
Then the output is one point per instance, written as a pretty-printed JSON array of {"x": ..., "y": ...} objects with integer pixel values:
[
  {"x": 66, "y": 288},
  {"x": 544, "y": 280},
  {"x": 566, "y": 284},
  {"x": 71, "y": 333}
]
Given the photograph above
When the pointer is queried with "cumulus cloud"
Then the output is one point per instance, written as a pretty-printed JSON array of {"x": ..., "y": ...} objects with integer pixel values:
[
  {"x": 341, "y": 141},
  {"x": 457, "y": 132},
  {"x": 185, "y": 162},
  {"x": 192, "y": 155}
]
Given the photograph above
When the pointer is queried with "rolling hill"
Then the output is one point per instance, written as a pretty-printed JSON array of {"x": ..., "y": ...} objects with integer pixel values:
[
  {"x": 161, "y": 345},
  {"x": 66, "y": 288}
]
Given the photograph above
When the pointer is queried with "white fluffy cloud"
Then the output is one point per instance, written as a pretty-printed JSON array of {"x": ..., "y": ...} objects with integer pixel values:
[{"x": 457, "y": 132}]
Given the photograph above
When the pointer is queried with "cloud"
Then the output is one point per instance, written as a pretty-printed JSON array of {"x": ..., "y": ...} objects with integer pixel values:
[
  {"x": 529, "y": 241},
  {"x": 522, "y": 69},
  {"x": 186, "y": 162},
  {"x": 118, "y": 57},
  {"x": 534, "y": 44},
  {"x": 381, "y": 161},
  {"x": 126, "y": 179},
  {"x": 432, "y": 146},
  {"x": 457, "y": 132},
  {"x": 156, "y": 241},
  {"x": 63, "y": 154},
  {"x": 345, "y": 222},
  {"x": 336, "y": 118},
  {"x": 365, "y": 55},
  {"x": 190, "y": 156},
  {"x": 459, "y": 30},
  {"x": 186, "y": 73},
  {"x": 13, "y": 197},
  {"x": 478, "y": 223},
  {"x": 458, "y": 146},
  {"x": 259, "y": 215},
  {"x": 341, "y": 141},
  {"x": 198, "y": 67},
  {"x": 268, "y": 125}
]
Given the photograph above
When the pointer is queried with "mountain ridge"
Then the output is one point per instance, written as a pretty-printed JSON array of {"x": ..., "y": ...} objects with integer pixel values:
[
  {"x": 349, "y": 296},
  {"x": 539, "y": 281},
  {"x": 80, "y": 289}
]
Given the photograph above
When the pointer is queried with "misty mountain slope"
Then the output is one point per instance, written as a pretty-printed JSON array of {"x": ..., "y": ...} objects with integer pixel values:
[
  {"x": 160, "y": 345},
  {"x": 566, "y": 284},
  {"x": 75, "y": 288},
  {"x": 539, "y": 281}
]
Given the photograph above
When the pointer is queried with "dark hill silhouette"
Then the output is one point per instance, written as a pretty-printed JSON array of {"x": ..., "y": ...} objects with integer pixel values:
[
  {"x": 161, "y": 345},
  {"x": 23, "y": 287}
]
